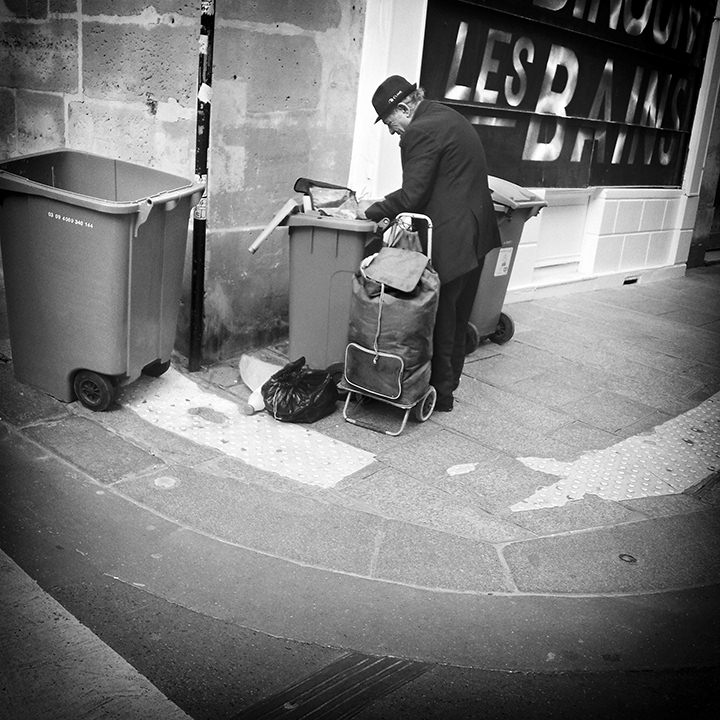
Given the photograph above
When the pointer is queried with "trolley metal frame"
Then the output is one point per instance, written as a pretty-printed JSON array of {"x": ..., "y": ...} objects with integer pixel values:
[{"x": 423, "y": 406}]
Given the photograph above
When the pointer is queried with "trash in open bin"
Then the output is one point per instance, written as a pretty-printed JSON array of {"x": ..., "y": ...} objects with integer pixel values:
[
  {"x": 93, "y": 251},
  {"x": 325, "y": 253}
]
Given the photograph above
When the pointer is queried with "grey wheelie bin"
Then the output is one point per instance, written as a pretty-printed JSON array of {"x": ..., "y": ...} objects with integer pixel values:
[
  {"x": 514, "y": 206},
  {"x": 93, "y": 252},
  {"x": 325, "y": 253}
]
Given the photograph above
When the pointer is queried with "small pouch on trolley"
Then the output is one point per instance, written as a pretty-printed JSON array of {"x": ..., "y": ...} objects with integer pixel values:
[
  {"x": 396, "y": 268},
  {"x": 401, "y": 235},
  {"x": 374, "y": 372}
]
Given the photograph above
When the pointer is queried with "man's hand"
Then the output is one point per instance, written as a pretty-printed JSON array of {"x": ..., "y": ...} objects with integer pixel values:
[{"x": 363, "y": 205}]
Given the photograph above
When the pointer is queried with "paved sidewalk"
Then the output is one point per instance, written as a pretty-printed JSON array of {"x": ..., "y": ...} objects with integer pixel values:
[{"x": 576, "y": 473}]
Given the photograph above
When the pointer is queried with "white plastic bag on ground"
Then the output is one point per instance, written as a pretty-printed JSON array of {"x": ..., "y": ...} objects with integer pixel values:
[{"x": 254, "y": 373}]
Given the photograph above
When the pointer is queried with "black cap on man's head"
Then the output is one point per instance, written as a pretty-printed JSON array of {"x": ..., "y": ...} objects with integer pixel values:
[{"x": 389, "y": 93}]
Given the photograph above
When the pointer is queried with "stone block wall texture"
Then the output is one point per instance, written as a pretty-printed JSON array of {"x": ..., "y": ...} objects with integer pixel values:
[{"x": 119, "y": 78}]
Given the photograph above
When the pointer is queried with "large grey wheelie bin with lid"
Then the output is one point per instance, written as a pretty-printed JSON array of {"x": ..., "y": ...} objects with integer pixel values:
[
  {"x": 325, "y": 253},
  {"x": 93, "y": 252},
  {"x": 514, "y": 206}
]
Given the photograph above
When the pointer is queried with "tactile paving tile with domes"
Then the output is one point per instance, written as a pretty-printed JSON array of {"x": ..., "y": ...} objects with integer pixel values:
[
  {"x": 177, "y": 404},
  {"x": 672, "y": 458}
]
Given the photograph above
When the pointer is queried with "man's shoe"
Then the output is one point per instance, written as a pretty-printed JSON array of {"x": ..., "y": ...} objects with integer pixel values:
[{"x": 444, "y": 404}]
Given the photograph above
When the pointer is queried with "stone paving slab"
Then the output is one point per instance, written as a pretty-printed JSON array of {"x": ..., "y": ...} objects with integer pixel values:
[
  {"x": 584, "y": 437},
  {"x": 663, "y": 554},
  {"x": 496, "y": 402},
  {"x": 665, "y": 505},
  {"x": 493, "y": 486},
  {"x": 578, "y": 515},
  {"x": 167, "y": 446},
  {"x": 104, "y": 456},
  {"x": 399, "y": 496},
  {"x": 696, "y": 289},
  {"x": 496, "y": 432},
  {"x": 422, "y": 557},
  {"x": 432, "y": 456},
  {"x": 607, "y": 410},
  {"x": 295, "y": 527},
  {"x": 500, "y": 370},
  {"x": 550, "y": 388}
]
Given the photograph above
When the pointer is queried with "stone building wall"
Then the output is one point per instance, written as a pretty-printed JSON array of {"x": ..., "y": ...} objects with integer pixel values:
[{"x": 119, "y": 78}]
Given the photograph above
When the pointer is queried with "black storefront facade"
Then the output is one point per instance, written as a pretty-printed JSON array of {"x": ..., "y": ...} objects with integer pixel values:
[{"x": 604, "y": 108}]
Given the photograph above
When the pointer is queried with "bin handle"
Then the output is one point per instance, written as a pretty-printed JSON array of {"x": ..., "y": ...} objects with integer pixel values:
[
  {"x": 144, "y": 209},
  {"x": 507, "y": 210}
]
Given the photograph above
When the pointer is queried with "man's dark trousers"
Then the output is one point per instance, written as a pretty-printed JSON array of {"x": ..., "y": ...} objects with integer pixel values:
[{"x": 454, "y": 307}]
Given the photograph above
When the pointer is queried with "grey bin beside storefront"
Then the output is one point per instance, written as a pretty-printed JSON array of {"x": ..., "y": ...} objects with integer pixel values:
[
  {"x": 93, "y": 252},
  {"x": 325, "y": 253},
  {"x": 514, "y": 206}
]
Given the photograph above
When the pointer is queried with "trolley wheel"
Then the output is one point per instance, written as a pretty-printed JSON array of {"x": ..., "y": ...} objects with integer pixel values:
[
  {"x": 505, "y": 330},
  {"x": 93, "y": 390},
  {"x": 472, "y": 339},
  {"x": 423, "y": 410},
  {"x": 156, "y": 368}
]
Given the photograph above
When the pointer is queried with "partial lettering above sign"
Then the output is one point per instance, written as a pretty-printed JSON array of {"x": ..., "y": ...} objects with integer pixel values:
[{"x": 570, "y": 93}]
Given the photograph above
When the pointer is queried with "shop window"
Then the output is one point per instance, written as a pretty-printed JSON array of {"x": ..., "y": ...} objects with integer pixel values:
[{"x": 571, "y": 93}]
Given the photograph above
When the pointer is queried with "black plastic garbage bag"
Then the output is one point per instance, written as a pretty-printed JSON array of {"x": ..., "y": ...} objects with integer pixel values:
[{"x": 299, "y": 394}]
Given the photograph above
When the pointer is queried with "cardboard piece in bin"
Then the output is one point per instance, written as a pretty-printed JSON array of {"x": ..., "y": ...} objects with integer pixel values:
[
  {"x": 304, "y": 185},
  {"x": 289, "y": 208},
  {"x": 328, "y": 198}
]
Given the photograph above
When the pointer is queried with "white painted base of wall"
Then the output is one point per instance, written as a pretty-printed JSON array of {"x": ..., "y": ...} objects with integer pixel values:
[
  {"x": 591, "y": 238},
  {"x": 594, "y": 282}
]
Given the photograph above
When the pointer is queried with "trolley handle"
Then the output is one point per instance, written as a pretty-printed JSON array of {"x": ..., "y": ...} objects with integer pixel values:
[{"x": 428, "y": 222}]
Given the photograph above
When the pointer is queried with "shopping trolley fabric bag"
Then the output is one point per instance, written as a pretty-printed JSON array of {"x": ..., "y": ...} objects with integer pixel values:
[{"x": 392, "y": 317}]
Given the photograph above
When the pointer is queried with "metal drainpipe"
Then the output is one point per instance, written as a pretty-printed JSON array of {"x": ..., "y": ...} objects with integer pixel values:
[{"x": 202, "y": 143}]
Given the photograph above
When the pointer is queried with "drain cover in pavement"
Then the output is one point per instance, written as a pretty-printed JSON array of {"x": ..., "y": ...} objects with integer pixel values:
[{"x": 339, "y": 690}]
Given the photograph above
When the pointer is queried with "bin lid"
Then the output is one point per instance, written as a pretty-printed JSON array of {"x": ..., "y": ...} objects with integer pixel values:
[
  {"x": 313, "y": 219},
  {"x": 96, "y": 182},
  {"x": 513, "y": 196}
]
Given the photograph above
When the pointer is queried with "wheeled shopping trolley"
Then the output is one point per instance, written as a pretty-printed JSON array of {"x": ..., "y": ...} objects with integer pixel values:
[{"x": 392, "y": 318}]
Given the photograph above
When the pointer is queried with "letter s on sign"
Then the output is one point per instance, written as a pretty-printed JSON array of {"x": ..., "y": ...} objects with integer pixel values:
[{"x": 515, "y": 97}]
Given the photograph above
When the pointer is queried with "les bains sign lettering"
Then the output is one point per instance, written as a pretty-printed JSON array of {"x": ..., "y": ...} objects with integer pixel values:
[{"x": 571, "y": 93}]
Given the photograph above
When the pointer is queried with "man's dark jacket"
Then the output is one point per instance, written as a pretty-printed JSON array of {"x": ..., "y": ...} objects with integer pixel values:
[{"x": 445, "y": 178}]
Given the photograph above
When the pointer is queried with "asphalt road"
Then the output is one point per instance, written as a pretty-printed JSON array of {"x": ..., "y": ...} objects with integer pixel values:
[{"x": 217, "y": 670}]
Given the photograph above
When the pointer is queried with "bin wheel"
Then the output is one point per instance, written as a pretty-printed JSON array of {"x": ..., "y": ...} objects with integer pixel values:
[
  {"x": 423, "y": 410},
  {"x": 93, "y": 390},
  {"x": 472, "y": 339},
  {"x": 505, "y": 330},
  {"x": 156, "y": 368}
]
